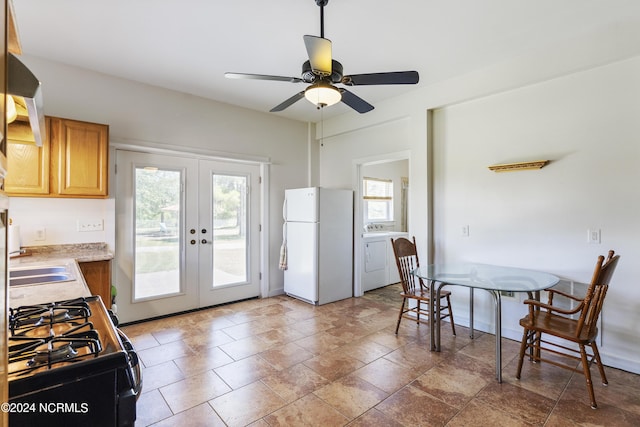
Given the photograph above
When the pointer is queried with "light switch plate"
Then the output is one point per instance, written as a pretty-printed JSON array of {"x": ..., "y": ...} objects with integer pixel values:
[
  {"x": 91, "y": 225},
  {"x": 593, "y": 236}
]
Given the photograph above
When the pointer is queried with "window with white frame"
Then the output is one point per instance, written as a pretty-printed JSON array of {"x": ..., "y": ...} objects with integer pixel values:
[{"x": 378, "y": 199}]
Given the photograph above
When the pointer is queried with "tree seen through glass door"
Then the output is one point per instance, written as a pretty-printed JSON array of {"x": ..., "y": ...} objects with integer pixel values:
[
  {"x": 157, "y": 232},
  {"x": 229, "y": 229}
]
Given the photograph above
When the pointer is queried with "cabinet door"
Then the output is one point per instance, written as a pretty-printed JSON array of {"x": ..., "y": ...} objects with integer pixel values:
[
  {"x": 80, "y": 158},
  {"x": 28, "y": 164},
  {"x": 97, "y": 274}
]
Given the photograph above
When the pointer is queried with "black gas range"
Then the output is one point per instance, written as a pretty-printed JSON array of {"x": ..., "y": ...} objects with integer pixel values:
[{"x": 69, "y": 365}]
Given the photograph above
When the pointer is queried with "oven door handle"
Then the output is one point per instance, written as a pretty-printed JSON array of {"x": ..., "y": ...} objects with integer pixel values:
[{"x": 133, "y": 361}]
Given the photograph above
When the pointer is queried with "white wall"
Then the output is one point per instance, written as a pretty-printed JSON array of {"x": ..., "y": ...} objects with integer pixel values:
[
  {"x": 586, "y": 124},
  {"x": 583, "y": 119},
  {"x": 143, "y": 115},
  {"x": 339, "y": 155},
  {"x": 59, "y": 219}
]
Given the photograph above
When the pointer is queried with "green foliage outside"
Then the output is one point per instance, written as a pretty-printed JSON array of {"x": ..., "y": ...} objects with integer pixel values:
[
  {"x": 157, "y": 192},
  {"x": 227, "y": 196},
  {"x": 157, "y": 212}
]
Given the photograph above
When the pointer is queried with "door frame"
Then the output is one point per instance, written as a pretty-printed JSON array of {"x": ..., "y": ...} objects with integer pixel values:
[
  {"x": 358, "y": 225},
  {"x": 203, "y": 154}
]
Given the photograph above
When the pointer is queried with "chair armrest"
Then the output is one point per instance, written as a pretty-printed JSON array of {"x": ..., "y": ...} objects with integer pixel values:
[
  {"x": 564, "y": 294},
  {"x": 533, "y": 303}
]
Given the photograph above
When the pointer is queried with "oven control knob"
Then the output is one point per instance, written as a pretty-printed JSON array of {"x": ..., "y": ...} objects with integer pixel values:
[
  {"x": 204, "y": 231},
  {"x": 193, "y": 241}
]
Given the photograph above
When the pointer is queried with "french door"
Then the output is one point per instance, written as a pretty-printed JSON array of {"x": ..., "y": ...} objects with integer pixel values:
[
  {"x": 229, "y": 248},
  {"x": 187, "y": 233}
]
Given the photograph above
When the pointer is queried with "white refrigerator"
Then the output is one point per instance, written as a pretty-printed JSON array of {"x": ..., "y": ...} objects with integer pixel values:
[{"x": 318, "y": 234}]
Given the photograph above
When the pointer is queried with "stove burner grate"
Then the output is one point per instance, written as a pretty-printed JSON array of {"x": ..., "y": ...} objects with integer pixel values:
[
  {"x": 47, "y": 352},
  {"x": 52, "y": 355},
  {"x": 78, "y": 343}
]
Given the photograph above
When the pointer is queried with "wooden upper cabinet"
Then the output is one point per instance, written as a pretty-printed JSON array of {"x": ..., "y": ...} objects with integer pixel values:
[
  {"x": 79, "y": 164},
  {"x": 27, "y": 164},
  {"x": 72, "y": 162}
]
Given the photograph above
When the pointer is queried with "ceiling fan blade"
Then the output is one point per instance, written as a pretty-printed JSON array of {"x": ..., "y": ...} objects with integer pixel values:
[
  {"x": 391, "y": 78},
  {"x": 319, "y": 51},
  {"x": 355, "y": 102},
  {"x": 262, "y": 77},
  {"x": 289, "y": 102}
]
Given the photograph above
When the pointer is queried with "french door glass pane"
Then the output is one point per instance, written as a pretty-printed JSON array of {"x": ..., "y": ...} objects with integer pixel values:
[
  {"x": 229, "y": 229},
  {"x": 157, "y": 227}
]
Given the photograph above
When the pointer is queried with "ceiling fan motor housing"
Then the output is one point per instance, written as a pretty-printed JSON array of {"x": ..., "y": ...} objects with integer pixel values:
[{"x": 308, "y": 76}]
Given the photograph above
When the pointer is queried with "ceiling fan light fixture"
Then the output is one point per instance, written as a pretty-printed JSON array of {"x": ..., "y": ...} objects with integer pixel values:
[{"x": 322, "y": 94}]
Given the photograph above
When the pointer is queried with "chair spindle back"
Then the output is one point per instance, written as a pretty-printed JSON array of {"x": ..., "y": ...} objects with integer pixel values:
[
  {"x": 594, "y": 300},
  {"x": 406, "y": 256}
]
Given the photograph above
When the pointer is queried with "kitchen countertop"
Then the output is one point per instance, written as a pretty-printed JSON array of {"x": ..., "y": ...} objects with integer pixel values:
[
  {"x": 44, "y": 256},
  {"x": 81, "y": 252},
  {"x": 53, "y": 291}
]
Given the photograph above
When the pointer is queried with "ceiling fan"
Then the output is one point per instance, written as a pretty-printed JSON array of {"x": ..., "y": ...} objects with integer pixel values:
[{"x": 323, "y": 72}]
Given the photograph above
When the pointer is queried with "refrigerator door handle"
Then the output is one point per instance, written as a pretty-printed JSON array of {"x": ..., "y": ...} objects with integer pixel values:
[
  {"x": 284, "y": 209},
  {"x": 283, "y": 265}
]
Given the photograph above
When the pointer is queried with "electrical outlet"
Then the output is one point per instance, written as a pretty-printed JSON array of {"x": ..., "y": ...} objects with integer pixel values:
[
  {"x": 593, "y": 236},
  {"x": 41, "y": 234},
  {"x": 464, "y": 231},
  {"x": 92, "y": 225}
]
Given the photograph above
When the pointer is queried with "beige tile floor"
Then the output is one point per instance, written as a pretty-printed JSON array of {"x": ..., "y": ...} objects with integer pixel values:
[{"x": 282, "y": 362}]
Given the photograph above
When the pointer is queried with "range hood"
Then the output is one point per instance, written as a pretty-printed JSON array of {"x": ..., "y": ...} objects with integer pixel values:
[{"x": 22, "y": 82}]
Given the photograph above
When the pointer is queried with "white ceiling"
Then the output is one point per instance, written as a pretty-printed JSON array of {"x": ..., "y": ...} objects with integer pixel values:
[{"x": 187, "y": 45}]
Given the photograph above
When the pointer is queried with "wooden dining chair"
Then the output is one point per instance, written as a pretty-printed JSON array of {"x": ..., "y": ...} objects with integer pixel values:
[
  {"x": 413, "y": 288},
  {"x": 569, "y": 327}
]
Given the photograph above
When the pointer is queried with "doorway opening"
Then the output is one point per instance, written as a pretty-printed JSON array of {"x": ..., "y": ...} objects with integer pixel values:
[{"x": 390, "y": 167}]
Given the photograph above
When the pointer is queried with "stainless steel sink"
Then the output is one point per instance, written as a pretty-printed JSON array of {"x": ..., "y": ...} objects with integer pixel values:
[
  {"x": 37, "y": 271},
  {"x": 38, "y": 275}
]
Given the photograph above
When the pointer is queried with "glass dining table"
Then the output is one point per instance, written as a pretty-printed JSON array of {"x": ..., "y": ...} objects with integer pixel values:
[{"x": 491, "y": 278}]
